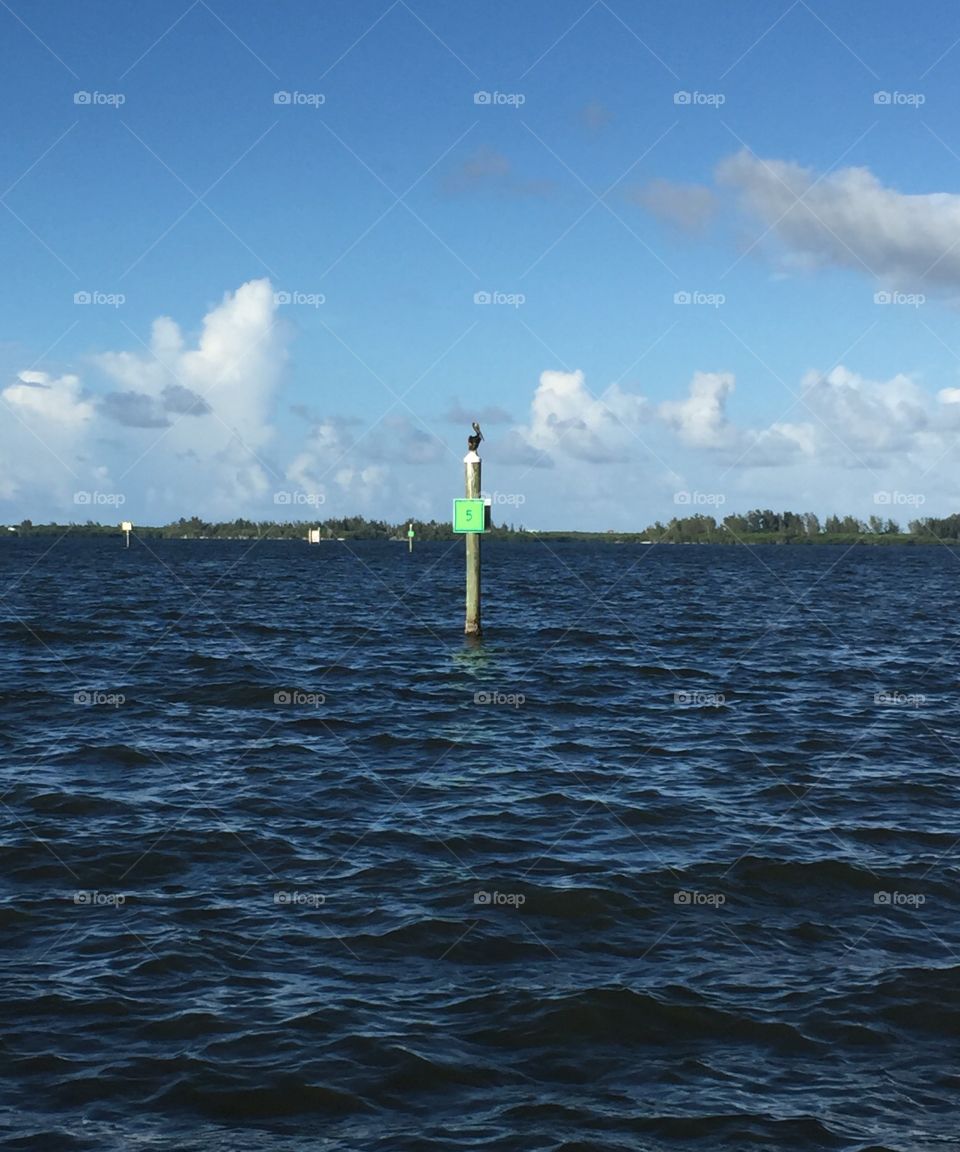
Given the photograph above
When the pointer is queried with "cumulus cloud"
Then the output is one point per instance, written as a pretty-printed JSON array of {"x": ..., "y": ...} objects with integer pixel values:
[
  {"x": 47, "y": 400},
  {"x": 777, "y": 446},
  {"x": 362, "y": 486},
  {"x": 327, "y": 445},
  {"x": 213, "y": 399},
  {"x": 876, "y": 416},
  {"x": 375, "y": 462},
  {"x": 840, "y": 419},
  {"x": 565, "y": 417},
  {"x": 232, "y": 372},
  {"x": 42, "y": 435},
  {"x": 849, "y": 219},
  {"x": 205, "y": 403},
  {"x": 701, "y": 420},
  {"x": 343, "y": 468},
  {"x": 196, "y": 411},
  {"x": 846, "y": 420}
]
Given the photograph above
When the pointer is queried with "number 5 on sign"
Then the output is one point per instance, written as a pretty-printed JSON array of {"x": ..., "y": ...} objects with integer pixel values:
[{"x": 468, "y": 516}]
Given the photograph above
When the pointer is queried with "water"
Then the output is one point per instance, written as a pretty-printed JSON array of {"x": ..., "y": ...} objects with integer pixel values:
[{"x": 581, "y": 912}]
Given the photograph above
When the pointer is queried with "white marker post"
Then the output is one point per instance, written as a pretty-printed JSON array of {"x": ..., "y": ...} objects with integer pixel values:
[
  {"x": 472, "y": 625},
  {"x": 470, "y": 518},
  {"x": 410, "y": 538},
  {"x": 127, "y": 527}
]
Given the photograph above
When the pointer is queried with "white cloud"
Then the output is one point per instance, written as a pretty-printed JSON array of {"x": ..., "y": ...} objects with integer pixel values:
[
  {"x": 567, "y": 420},
  {"x": 360, "y": 464},
  {"x": 210, "y": 404},
  {"x": 363, "y": 485},
  {"x": 840, "y": 419},
  {"x": 872, "y": 416},
  {"x": 311, "y": 469},
  {"x": 844, "y": 438},
  {"x": 189, "y": 428},
  {"x": 701, "y": 421},
  {"x": 45, "y": 400},
  {"x": 844, "y": 420},
  {"x": 196, "y": 416},
  {"x": 848, "y": 218},
  {"x": 231, "y": 375},
  {"x": 43, "y": 434}
]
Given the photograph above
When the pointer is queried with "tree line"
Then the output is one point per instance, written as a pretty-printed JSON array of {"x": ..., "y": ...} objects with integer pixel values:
[
  {"x": 758, "y": 526},
  {"x": 766, "y": 525},
  {"x": 195, "y": 528},
  {"x": 763, "y": 525}
]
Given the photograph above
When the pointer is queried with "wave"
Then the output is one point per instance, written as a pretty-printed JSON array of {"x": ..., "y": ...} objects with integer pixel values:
[{"x": 622, "y": 1016}]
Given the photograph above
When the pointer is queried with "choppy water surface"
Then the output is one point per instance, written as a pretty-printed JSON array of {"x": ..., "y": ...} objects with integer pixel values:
[{"x": 668, "y": 862}]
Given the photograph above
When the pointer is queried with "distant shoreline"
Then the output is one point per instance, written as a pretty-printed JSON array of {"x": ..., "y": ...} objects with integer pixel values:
[
  {"x": 558, "y": 537},
  {"x": 785, "y": 528}
]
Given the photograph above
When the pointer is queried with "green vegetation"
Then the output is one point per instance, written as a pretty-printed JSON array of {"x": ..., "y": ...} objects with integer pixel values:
[
  {"x": 343, "y": 528},
  {"x": 764, "y": 526},
  {"x": 759, "y": 526}
]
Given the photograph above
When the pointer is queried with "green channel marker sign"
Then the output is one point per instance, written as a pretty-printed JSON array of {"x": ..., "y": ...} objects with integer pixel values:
[
  {"x": 468, "y": 515},
  {"x": 410, "y": 532}
]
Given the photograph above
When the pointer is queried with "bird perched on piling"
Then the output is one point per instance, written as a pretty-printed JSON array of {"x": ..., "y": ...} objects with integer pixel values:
[{"x": 473, "y": 442}]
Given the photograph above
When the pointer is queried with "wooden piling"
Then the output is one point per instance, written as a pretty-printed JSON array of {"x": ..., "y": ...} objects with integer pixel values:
[{"x": 472, "y": 470}]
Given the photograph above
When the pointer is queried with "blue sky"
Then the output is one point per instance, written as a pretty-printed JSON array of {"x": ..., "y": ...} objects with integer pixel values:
[{"x": 747, "y": 298}]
